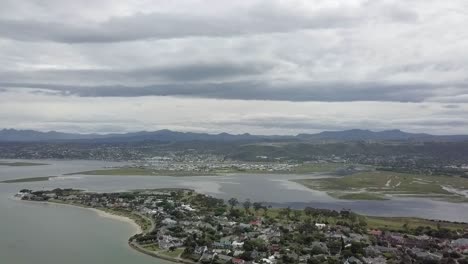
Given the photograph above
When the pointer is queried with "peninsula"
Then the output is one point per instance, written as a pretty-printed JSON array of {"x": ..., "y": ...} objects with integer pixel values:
[{"x": 184, "y": 226}]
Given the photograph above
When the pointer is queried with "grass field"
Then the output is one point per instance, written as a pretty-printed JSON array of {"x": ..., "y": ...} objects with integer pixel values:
[
  {"x": 366, "y": 185},
  {"x": 21, "y": 164},
  {"x": 35, "y": 179},
  {"x": 359, "y": 196},
  {"x": 377, "y": 222},
  {"x": 319, "y": 167},
  {"x": 396, "y": 223},
  {"x": 172, "y": 254}
]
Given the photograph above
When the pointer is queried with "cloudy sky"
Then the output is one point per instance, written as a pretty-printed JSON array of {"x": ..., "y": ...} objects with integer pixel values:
[{"x": 263, "y": 67}]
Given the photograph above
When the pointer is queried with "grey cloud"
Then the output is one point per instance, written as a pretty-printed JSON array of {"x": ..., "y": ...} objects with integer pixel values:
[
  {"x": 176, "y": 73},
  {"x": 452, "y": 106},
  {"x": 250, "y": 90},
  {"x": 262, "y": 18}
]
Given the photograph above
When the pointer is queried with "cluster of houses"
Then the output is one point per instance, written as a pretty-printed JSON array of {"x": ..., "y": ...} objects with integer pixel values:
[{"x": 206, "y": 230}]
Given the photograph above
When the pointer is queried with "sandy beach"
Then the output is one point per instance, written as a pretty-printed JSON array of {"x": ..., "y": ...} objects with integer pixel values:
[{"x": 101, "y": 213}]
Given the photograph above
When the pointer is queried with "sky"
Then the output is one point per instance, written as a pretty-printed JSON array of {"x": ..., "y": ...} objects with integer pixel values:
[{"x": 244, "y": 66}]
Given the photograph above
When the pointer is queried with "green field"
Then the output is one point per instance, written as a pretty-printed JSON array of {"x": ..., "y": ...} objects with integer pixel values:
[
  {"x": 377, "y": 222},
  {"x": 172, "y": 254},
  {"x": 34, "y": 179},
  {"x": 319, "y": 167},
  {"x": 21, "y": 164},
  {"x": 396, "y": 223},
  {"x": 366, "y": 185},
  {"x": 359, "y": 196}
]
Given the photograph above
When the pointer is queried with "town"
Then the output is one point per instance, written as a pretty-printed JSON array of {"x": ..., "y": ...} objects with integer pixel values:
[{"x": 184, "y": 226}]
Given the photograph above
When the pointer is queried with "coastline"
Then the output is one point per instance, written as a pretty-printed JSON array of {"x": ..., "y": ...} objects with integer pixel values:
[
  {"x": 100, "y": 213},
  {"x": 138, "y": 229},
  {"x": 104, "y": 214}
]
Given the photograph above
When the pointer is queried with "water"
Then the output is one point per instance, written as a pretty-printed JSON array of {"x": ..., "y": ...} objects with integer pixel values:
[
  {"x": 54, "y": 234},
  {"x": 44, "y": 233}
]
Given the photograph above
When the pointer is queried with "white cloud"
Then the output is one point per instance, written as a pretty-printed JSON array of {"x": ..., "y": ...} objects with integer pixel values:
[
  {"x": 118, "y": 114},
  {"x": 299, "y": 55}
]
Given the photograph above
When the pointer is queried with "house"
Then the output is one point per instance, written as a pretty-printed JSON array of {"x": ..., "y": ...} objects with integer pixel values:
[
  {"x": 256, "y": 222},
  {"x": 169, "y": 221},
  {"x": 254, "y": 254},
  {"x": 267, "y": 261},
  {"x": 320, "y": 226},
  {"x": 200, "y": 250},
  {"x": 304, "y": 258},
  {"x": 236, "y": 244},
  {"x": 353, "y": 260},
  {"x": 375, "y": 232},
  {"x": 221, "y": 258},
  {"x": 238, "y": 261},
  {"x": 274, "y": 247},
  {"x": 206, "y": 257},
  {"x": 376, "y": 260}
]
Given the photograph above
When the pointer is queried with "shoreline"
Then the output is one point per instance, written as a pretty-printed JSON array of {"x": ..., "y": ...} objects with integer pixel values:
[
  {"x": 104, "y": 214},
  {"x": 137, "y": 228},
  {"x": 100, "y": 213}
]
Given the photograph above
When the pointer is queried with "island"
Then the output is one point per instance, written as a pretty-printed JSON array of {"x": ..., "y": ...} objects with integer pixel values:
[
  {"x": 181, "y": 225},
  {"x": 21, "y": 164},
  {"x": 31, "y": 179}
]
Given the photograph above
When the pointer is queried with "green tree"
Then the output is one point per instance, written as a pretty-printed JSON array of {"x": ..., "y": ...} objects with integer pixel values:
[
  {"x": 233, "y": 202},
  {"x": 247, "y": 204},
  {"x": 257, "y": 207}
]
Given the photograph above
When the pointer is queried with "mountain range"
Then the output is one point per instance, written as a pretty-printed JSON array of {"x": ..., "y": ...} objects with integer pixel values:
[{"x": 13, "y": 135}]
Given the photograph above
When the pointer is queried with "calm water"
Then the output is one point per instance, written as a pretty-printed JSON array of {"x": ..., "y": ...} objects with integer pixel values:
[{"x": 54, "y": 234}]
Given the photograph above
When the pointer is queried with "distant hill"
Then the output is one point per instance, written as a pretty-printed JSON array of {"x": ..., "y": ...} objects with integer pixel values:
[
  {"x": 13, "y": 135},
  {"x": 386, "y": 135},
  {"x": 359, "y": 134}
]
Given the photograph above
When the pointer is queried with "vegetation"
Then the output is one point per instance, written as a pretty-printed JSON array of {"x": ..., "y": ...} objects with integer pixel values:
[
  {"x": 373, "y": 185},
  {"x": 319, "y": 167},
  {"x": 411, "y": 223},
  {"x": 34, "y": 179},
  {"x": 186, "y": 226},
  {"x": 21, "y": 164},
  {"x": 359, "y": 196}
]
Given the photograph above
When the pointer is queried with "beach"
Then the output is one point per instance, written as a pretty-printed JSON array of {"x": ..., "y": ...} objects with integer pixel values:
[{"x": 100, "y": 213}]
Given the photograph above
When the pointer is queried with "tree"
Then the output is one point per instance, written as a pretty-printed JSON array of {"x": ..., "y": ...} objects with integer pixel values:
[
  {"x": 233, "y": 202},
  {"x": 265, "y": 209},
  {"x": 297, "y": 215},
  {"x": 287, "y": 212},
  {"x": 257, "y": 206},
  {"x": 247, "y": 204}
]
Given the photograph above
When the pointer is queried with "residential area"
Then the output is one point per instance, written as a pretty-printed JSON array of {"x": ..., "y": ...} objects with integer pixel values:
[{"x": 184, "y": 226}]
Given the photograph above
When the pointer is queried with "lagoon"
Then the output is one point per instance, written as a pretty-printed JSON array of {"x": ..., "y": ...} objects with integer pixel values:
[{"x": 49, "y": 233}]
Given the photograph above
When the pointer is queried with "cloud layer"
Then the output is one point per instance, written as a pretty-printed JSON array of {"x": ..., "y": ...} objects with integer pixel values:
[{"x": 296, "y": 52}]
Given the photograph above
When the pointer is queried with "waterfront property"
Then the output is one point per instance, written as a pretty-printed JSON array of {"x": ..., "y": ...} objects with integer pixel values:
[{"x": 189, "y": 227}]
